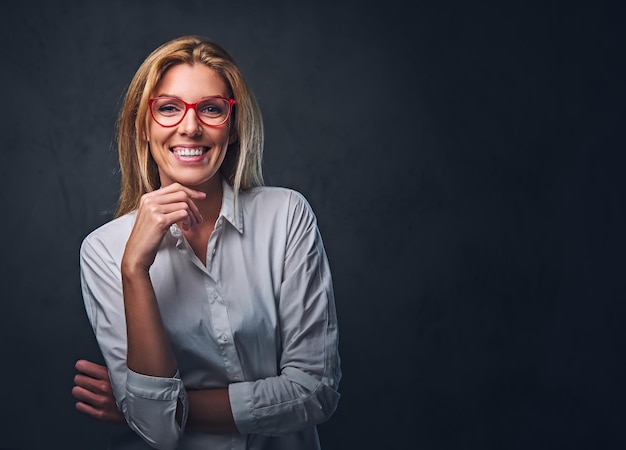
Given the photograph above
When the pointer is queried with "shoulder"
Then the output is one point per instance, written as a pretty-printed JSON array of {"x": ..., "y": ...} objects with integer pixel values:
[
  {"x": 278, "y": 209},
  {"x": 274, "y": 198},
  {"x": 110, "y": 237}
]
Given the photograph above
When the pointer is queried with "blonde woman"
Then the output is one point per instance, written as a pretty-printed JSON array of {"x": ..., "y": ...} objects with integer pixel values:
[{"x": 209, "y": 294}]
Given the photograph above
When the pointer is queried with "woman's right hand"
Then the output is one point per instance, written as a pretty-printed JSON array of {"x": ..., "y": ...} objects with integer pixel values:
[{"x": 157, "y": 211}]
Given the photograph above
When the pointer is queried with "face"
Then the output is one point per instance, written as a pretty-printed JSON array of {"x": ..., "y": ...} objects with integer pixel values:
[{"x": 191, "y": 152}]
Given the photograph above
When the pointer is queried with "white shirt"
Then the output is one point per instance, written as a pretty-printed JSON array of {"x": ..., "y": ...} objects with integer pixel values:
[{"x": 258, "y": 318}]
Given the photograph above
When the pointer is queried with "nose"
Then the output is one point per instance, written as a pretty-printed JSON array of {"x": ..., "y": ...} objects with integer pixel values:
[{"x": 190, "y": 125}]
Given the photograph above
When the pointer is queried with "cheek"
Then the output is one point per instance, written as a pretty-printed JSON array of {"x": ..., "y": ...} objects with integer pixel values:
[{"x": 222, "y": 135}]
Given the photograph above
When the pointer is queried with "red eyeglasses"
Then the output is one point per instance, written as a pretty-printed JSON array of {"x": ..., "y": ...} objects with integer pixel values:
[{"x": 170, "y": 111}]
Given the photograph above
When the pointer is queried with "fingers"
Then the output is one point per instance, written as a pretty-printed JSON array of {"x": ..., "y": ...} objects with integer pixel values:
[
  {"x": 179, "y": 187},
  {"x": 157, "y": 211},
  {"x": 92, "y": 384},
  {"x": 185, "y": 211},
  {"x": 89, "y": 410},
  {"x": 174, "y": 203},
  {"x": 87, "y": 396},
  {"x": 99, "y": 408},
  {"x": 170, "y": 211},
  {"x": 92, "y": 369},
  {"x": 96, "y": 385},
  {"x": 93, "y": 391}
]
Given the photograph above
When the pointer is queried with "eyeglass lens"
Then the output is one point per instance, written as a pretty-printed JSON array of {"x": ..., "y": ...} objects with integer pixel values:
[{"x": 170, "y": 111}]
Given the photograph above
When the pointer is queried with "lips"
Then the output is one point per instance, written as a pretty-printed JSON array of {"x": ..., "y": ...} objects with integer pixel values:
[{"x": 189, "y": 152}]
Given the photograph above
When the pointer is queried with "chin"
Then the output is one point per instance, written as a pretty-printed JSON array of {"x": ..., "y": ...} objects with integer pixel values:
[{"x": 195, "y": 182}]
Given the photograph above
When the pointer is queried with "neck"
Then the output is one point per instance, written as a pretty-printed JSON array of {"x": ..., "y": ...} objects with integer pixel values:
[
  {"x": 211, "y": 205},
  {"x": 210, "y": 208}
]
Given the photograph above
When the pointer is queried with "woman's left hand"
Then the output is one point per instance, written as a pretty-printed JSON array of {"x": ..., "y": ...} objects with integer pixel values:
[{"x": 94, "y": 393}]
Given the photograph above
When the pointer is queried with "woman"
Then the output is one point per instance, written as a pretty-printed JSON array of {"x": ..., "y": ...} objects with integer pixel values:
[{"x": 210, "y": 296}]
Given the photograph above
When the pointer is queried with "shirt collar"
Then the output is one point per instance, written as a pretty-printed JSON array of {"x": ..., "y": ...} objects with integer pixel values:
[
  {"x": 231, "y": 207},
  {"x": 231, "y": 210}
]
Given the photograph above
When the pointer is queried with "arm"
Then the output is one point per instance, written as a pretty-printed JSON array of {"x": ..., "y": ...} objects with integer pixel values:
[
  {"x": 209, "y": 410},
  {"x": 122, "y": 309},
  {"x": 155, "y": 410},
  {"x": 149, "y": 351},
  {"x": 150, "y": 360},
  {"x": 304, "y": 391}
]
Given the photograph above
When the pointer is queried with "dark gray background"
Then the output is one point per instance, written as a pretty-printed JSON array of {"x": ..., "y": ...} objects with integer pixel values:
[{"x": 465, "y": 163}]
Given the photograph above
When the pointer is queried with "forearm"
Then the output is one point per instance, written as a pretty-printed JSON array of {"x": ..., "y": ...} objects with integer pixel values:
[
  {"x": 210, "y": 412},
  {"x": 149, "y": 351},
  {"x": 283, "y": 404},
  {"x": 155, "y": 403}
]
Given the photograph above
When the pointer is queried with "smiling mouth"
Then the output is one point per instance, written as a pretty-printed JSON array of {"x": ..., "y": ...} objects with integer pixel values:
[{"x": 189, "y": 152}]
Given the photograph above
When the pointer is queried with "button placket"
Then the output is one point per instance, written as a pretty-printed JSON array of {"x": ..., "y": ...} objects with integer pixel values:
[
  {"x": 213, "y": 241},
  {"x": 219, "y": 316}
]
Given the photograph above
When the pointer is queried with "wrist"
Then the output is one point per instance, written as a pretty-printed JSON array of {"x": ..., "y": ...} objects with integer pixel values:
[{"x": 131, "y": 269}]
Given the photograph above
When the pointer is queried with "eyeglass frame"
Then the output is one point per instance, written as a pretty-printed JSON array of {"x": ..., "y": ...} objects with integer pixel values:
[{"x": 188, "y": 106}]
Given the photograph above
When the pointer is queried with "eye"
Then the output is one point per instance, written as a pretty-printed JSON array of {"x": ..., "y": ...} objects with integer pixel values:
[
  {"x": 213, "y": 108},
  {"x": 168, "y": 107}
]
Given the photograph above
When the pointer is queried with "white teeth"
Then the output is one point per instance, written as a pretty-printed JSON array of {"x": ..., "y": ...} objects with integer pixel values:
[{"x": 188, "y": 151}]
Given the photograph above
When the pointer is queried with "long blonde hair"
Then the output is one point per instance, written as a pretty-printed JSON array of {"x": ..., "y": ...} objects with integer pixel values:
[{"x": 140, "y": 174}]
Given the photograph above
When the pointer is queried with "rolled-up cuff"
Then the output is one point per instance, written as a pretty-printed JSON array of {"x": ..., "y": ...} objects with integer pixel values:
[
  {"x": 151, "y": 406},
  {"x": 242, "y": 406}
]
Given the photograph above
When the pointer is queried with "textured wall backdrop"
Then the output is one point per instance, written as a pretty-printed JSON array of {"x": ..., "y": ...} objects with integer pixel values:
[{"x": 466, "y": 166}]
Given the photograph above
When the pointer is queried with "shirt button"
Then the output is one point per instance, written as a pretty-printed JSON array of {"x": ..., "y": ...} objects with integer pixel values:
[
  {"x": 213, "y": 252},
  {"x": 223, "y": 338}
]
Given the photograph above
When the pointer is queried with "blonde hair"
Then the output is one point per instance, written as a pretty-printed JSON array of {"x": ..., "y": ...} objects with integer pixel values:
[{"x": 140, "y": 174}]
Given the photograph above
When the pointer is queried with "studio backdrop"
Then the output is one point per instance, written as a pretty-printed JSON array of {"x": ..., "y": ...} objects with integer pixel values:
[{"x": 465, "y": 164}]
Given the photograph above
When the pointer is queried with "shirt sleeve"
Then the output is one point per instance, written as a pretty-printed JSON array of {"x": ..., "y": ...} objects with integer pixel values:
[
  {"x": 305, "y": 392},
  {"x": 151, "y": 404},
  {"x": 148, "y": 403}
]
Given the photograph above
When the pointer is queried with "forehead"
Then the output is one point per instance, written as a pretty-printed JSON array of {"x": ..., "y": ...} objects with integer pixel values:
[{"x": 191, "y": 82}]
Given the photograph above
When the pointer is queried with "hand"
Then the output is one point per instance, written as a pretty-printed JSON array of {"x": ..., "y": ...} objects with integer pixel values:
[
  {"x": 94, "y": 394},
  {"x": 157, "y": 211}
]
